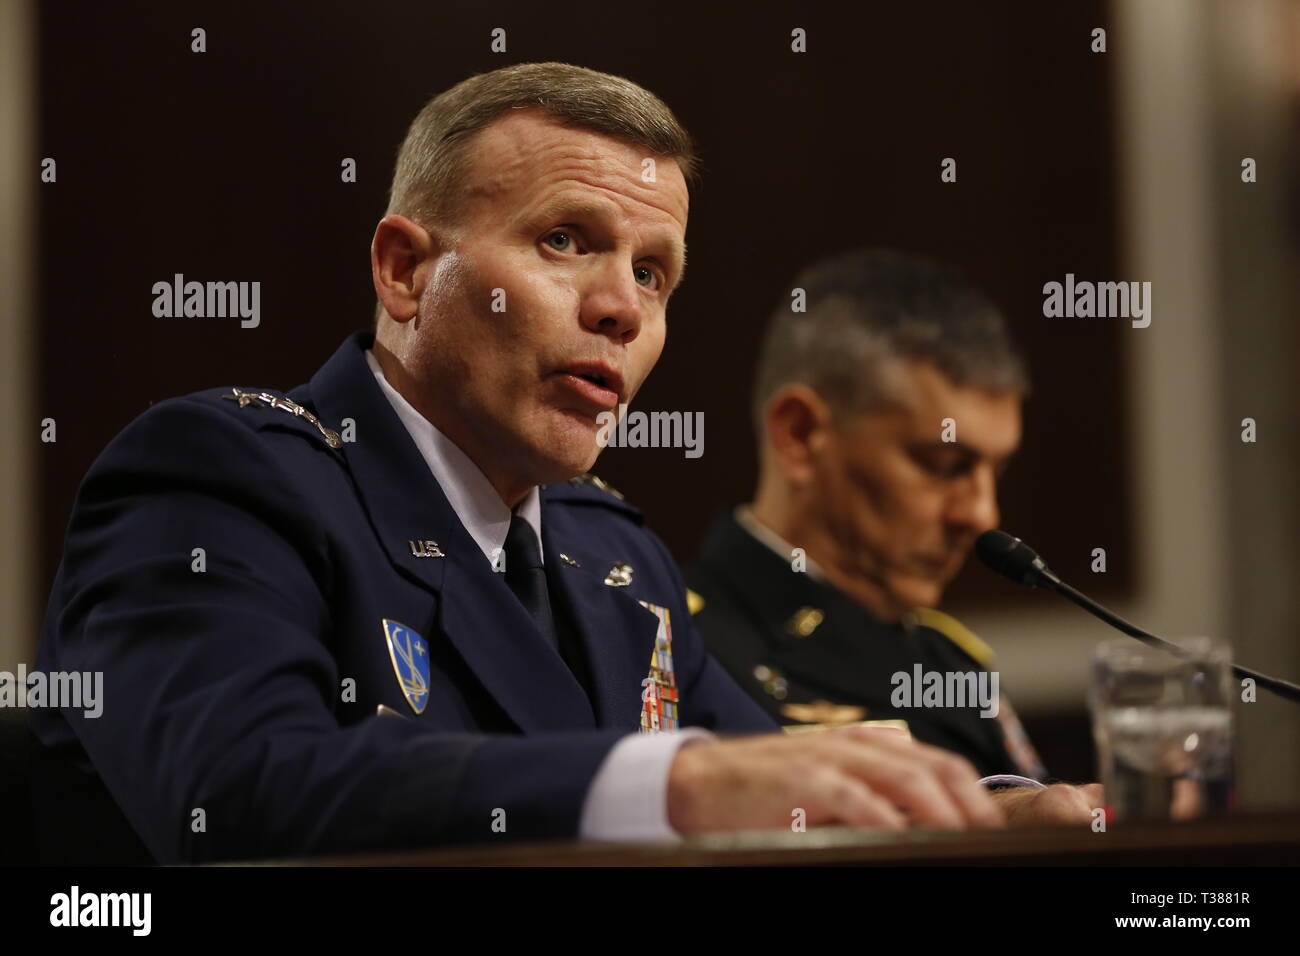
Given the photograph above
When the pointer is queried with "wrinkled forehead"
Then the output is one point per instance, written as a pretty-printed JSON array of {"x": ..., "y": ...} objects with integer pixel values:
[{"x": 527, "y": 156}]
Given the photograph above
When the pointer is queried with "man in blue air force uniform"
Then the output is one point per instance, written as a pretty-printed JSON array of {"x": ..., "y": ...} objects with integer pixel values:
[{"x": 328, "y": 624}]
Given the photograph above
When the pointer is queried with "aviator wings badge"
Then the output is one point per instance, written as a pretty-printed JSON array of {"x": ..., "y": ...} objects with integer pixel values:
[{"x": 409, "y": 653}]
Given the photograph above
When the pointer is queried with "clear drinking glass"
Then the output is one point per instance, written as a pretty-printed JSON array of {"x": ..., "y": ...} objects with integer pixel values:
[{"x": 1163, "y": 728}]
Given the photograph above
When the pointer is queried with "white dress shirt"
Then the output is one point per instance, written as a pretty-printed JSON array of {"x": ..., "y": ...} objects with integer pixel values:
[{"x": 628, "y": 797}]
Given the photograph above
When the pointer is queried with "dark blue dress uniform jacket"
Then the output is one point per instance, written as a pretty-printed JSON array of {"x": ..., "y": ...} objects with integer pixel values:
[
  {"x": 748, "y": 602},
  {"x": 224, "y": 688}
]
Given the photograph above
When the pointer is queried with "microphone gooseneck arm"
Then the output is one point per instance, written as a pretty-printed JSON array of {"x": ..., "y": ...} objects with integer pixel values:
[{"x": 1013, "y": 559}]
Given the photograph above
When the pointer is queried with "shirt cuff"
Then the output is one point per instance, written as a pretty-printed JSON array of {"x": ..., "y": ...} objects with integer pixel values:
[
  {"x": 1000, "y": 780},
  {"x": 628, "y": 797}
]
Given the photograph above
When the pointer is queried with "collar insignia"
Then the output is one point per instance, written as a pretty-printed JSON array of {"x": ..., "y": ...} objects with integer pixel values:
[{"x": 426, "y": 549}]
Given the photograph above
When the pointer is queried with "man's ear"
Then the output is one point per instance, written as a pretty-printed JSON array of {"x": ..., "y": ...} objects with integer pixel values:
[
  {"x": 797, "y": 426},
  {"x": 402, "y": 253}
]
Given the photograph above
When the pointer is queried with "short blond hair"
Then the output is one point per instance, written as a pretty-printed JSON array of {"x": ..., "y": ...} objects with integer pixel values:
[{"x": 428, "y": 182}]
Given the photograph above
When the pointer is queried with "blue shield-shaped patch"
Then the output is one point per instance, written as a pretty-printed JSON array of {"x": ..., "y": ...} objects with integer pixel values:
[{"x": 410, "y": 656}]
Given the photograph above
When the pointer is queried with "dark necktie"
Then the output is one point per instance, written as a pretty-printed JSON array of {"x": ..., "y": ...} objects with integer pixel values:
[{"x": 526, "y": 576}]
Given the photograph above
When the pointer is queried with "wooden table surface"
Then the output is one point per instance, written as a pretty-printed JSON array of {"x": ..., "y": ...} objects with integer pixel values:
[{"x": 1270, "y": 839}]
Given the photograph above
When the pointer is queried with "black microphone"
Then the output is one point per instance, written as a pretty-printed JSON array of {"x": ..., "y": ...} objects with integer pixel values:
[
  {"x": 1018, "y": 562},
  {"x": 1012, "y": 558}
]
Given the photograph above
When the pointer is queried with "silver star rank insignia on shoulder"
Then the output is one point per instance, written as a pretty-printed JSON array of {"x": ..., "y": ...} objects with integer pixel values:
[
  {"x": 589, "y": 479},
  {"x": 284, "y": 404}
]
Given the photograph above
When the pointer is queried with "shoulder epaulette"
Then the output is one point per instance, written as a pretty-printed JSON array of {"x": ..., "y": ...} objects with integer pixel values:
[
  {"x": 269, "y": 400},
  {"x": 958, "y": 633},
  {"x": 595, "y": 481},
  {"x": 590, "y": 490}
]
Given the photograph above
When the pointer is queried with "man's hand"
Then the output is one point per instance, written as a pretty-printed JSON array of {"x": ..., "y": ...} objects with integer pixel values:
[
  {"x": 857, "y": 776},
  {"x": 1060, "y": 803}
]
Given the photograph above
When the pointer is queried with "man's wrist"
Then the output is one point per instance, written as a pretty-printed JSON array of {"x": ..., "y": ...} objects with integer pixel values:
[
  {"x": 679, "y": 802},
  {"x": 629, "y": 795}
]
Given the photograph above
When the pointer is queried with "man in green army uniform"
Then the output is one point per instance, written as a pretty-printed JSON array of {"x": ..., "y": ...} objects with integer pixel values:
[{"x": 886, "y": 410}]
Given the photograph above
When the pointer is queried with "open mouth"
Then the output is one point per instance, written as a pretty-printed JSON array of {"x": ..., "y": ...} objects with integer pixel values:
[
  {"x": 599, "y": 381},
  {"x": 599, "y": 389}
]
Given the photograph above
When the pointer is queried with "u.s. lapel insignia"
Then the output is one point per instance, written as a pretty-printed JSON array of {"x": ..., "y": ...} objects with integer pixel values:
[
  {"x": 288, "y": 405},
  {"x": 659, "y": 700},
  {"x": 426, "y": 549},
  {"x": 410, "y": 656},
  {"x": 620, "y": 575}
]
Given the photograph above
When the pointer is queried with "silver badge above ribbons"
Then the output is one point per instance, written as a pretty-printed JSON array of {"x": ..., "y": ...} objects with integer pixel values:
[{"x": 620, "y": 575}]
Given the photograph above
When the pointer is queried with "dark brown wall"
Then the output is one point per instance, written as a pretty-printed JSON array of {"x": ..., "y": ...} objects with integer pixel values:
[{"x": 225, "y": 165}]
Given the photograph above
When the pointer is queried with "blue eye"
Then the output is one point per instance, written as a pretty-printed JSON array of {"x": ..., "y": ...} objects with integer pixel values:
[
  {"x": 648, "y": 273},
  {"x": 563, "y": 243}
]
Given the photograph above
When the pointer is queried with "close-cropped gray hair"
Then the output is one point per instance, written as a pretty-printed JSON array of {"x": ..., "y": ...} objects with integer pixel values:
[
  {"x": 867, "y": 308},
  {"x": 430, "y": 178}
]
